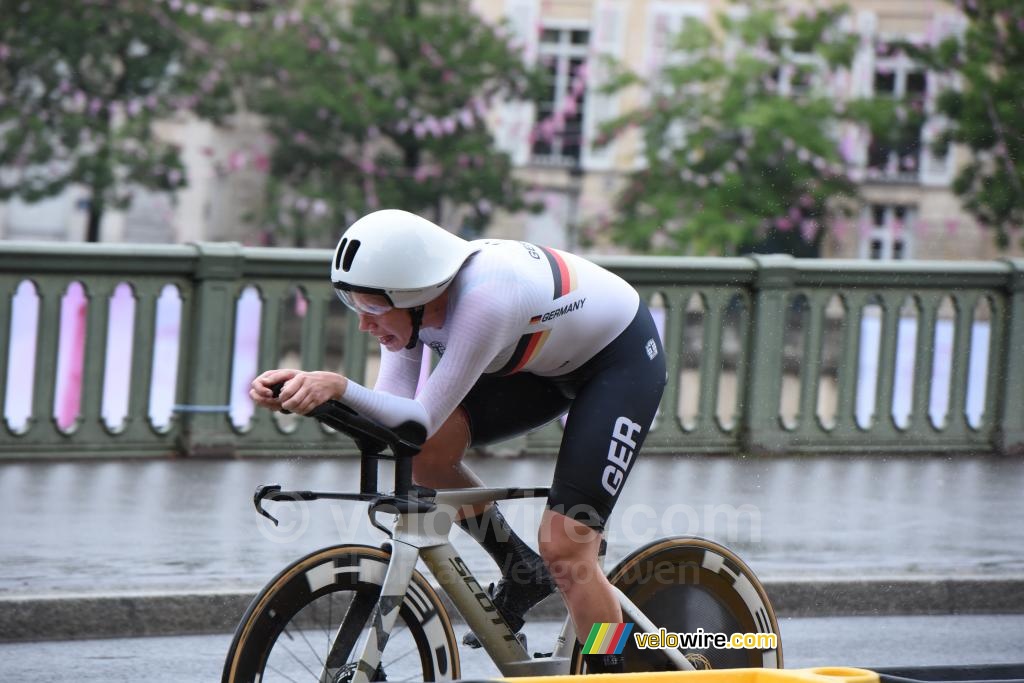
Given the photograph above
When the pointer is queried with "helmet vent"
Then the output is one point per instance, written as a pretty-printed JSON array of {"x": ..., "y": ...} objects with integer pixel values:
[
  {"x": 350, "y": 254},
  {"x": 337, "y": 254}
]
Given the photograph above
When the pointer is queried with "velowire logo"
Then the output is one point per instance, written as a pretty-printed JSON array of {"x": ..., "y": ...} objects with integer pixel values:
[{"x": 607, "y": 639}]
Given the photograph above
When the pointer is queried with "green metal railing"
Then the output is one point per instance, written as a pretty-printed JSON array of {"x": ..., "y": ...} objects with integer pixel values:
[{"x": 765, "y": 354}]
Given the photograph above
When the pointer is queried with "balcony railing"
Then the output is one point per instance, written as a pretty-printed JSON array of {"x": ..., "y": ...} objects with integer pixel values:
[{"x": 142, "y": 350}]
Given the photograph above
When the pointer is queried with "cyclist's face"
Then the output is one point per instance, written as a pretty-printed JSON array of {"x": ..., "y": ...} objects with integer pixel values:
[{"x": 392, "y": 328}]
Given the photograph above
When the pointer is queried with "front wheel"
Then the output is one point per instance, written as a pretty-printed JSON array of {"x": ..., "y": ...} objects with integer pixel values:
[
  {"x": 324, "y": 601},
  {"x": 684, "y": 584}
]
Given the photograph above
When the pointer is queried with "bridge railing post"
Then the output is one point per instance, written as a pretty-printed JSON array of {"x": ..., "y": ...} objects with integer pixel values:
[
  {"x": 206, "y": 352},
  {"x": 760, "y": 427},
  {"x": 1009, "y": 428}
]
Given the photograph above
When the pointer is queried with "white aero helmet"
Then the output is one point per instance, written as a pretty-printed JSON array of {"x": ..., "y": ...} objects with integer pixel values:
[{"x": 396, "y": 255}]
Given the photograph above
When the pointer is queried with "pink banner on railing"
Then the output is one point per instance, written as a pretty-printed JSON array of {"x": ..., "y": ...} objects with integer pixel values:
[{"x": 74, "y": 312}]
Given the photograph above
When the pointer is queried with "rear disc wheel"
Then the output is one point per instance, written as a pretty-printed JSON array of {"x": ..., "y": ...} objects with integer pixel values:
[{"x": 688, "y": 583}]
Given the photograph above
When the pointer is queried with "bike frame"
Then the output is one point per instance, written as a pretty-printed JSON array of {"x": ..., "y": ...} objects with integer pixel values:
[{"x": 426, "y": 535}]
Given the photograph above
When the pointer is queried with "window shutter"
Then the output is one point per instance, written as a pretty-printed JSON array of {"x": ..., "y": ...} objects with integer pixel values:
[
  {"x": 516, "y": 117},
  {"x": 607, "y": 40}
]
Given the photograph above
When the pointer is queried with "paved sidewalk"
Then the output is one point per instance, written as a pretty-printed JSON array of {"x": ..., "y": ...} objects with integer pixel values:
[{"x": 908, "y": 534}]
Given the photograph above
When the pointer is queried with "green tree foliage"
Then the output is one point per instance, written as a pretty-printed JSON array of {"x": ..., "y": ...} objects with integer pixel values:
[
  {"x": 984, "y": 111},
  {"x": 81, "y": 84},
  {"x": 741, "y": 136},
  {"x": 381, "y": 105}
]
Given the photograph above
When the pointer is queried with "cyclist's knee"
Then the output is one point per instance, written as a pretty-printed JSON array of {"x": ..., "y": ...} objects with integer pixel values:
[{"x": 569, "y": 548}]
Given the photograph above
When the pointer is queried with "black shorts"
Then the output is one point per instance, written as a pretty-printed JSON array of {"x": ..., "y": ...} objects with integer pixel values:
[{"x": 611, "y": 400}]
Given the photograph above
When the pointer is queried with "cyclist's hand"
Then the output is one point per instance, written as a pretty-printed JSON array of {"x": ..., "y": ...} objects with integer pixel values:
[
  {"x": 261, "y": 391},
  {"x": 306, "y": 390}
]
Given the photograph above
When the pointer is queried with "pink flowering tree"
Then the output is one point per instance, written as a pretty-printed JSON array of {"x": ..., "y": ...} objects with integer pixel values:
[
  {"x": 741, "y": 134},
  {"x": 380, "y": 103},
  {"x": 982, "y": 105},
  {"x": 81, "y": 84}
]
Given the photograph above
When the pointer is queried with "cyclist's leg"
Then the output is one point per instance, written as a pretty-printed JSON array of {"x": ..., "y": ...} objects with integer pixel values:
[
  {"x": 608, "y": 422},
  {"x": 439, "y": 463},
  {"x": 495, "y": 409},
  {"x": 498, "y": 408},
  {"x": 570, "y": 549}
]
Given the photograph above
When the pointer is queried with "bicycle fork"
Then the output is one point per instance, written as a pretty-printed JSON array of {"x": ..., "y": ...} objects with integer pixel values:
[
  {"x": 409, "y": 542},
  {"x": 380, "y": 622}
]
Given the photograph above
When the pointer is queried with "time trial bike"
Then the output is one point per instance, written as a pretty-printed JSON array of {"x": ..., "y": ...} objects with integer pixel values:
[{"x": 363, "y": 613}]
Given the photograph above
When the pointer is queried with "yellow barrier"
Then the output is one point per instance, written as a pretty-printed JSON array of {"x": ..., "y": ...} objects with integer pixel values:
[{"x": 831, "y": 674}]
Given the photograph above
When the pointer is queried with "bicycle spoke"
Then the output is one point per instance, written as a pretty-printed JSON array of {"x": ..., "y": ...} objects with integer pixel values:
[
  {"x": 330, "y": 623},
  {"x": 301, "y": 663},
  {"x": 282, "y": 674},
  {"x": 351, "y": 633},
  {"x": 316, "y": 609},
  {"x": 300, "y": 620},
  {"x": 352, "y": 626},
  {"x": 408, "y": 652},
  {"x": 312, "y": 649}
]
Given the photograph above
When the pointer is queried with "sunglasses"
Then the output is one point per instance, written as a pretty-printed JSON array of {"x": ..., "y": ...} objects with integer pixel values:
[{"x": 365, "y": 302}]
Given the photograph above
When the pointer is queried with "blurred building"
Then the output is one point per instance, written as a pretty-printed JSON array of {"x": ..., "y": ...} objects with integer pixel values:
[
  {"x": 226, "y": 170},
  {"x": 908, "y": 211}
]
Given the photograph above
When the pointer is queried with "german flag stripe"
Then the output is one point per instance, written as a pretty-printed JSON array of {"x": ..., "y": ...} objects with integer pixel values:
[
  {"x": 561, "y": 271},
  {"x": 528, "y": 347},
  {"x": 517, "y": 355},
  {"x": 533, "y": 347}
]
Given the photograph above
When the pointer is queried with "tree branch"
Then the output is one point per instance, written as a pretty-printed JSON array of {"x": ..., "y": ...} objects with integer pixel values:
[{"x": 1004, "y": 152}]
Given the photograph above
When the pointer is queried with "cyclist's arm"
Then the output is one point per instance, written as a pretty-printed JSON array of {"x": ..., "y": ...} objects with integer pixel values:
[
  {"x": 391, "y": 401},
  {"x": 399, "y": 371},
  {"x": 486, "y": 320}
]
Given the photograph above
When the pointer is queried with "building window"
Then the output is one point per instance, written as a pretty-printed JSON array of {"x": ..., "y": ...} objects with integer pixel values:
[
  {"x": 898, "y": 155},
  {"x": 799, "y": 74},
  {"x": 558, "y": 132},
  {"x": 888, "y": 236}
]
